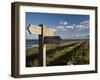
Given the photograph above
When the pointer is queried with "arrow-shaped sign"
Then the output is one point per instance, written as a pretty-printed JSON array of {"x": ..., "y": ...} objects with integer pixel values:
[
  {"x": 36, "y": 29},
  {"x": 46, "y": 36}
]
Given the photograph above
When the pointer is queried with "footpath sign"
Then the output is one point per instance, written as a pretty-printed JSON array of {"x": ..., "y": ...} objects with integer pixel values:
[
  {"x": 37, "y": 29},
  {"x": 46, "y": 36}
]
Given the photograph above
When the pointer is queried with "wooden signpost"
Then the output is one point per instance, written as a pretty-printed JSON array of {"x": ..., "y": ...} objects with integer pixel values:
[
  {"x": 46, "y": 36},
  {"x": 37, "y": 29}
]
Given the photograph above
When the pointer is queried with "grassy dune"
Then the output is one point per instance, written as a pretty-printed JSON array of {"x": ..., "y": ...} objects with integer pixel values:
[{"x": 74, "y": 53}]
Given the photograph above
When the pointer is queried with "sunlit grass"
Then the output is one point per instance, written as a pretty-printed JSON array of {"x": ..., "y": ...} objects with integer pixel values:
[{"x": 61, "y": 56}]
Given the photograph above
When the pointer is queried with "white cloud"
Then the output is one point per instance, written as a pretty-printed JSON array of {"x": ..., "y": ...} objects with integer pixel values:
[
  {"x": 70, "y": 27},
  {"x": 79, "y": 26},
  {"x": 60, "y": 27},
  {"x": 53, "y": 29},
  {"x": 82, "y": 36},
  {"x": 74, "y": 25},
  {"x": 83, "y": 25},
  {"x": 85, "y": 22},
  {"x": 64, "y": 29},
  {"x": 63, "y": 23},
  {"x": 77, "y": 35}
]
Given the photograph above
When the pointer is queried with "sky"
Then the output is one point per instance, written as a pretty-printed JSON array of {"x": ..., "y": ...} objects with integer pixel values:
[{"x": 67, "y": 26}]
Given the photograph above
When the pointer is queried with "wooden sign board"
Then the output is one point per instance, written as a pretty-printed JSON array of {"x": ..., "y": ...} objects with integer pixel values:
[
  {"x": 48, "y": 31},
  {"x": 52, "y": 39},
  {"x": 36, "y": 29}
]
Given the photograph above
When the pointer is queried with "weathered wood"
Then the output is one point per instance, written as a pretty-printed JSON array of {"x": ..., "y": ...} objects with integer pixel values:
[{"x": 36, "y": 29}]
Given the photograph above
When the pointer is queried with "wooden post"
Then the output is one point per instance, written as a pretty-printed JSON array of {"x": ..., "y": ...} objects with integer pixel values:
[
  {"x": 42, "y": 32},
  {"x": 42, "y": 47},
  {"x": 40, "y": 50},
  {"x": 44, "y": 55}
]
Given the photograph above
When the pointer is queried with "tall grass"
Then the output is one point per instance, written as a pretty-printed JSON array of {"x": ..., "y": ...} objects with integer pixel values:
[{"x": 74, "y": 53}]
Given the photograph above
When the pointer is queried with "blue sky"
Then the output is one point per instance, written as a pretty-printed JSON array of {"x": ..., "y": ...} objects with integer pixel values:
[{"x": 67, "y": 26}]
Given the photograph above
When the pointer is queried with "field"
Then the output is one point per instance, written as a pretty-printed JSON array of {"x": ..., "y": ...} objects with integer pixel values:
[{"x": 68, "y": 52}]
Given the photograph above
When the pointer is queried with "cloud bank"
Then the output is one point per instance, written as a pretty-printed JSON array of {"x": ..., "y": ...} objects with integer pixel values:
[{"x": 64, "y": 26}]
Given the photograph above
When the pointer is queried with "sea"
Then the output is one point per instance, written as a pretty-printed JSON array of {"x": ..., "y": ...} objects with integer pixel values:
[{"x": 32, "y": 43}]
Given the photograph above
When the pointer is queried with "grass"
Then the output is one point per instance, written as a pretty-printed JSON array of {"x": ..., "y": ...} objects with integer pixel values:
[
  {"x": 60, "y": 55},
  {"x": 32, "y": 51}
]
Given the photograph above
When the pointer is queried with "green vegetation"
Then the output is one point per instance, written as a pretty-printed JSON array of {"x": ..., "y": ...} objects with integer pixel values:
[
  {"x": 31, "y": 51},
  {"x": 76, "y": 52}
]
